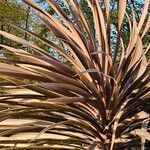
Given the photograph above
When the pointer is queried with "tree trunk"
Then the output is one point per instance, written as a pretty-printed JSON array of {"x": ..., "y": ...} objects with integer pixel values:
[{"x": 27, "y": 23}]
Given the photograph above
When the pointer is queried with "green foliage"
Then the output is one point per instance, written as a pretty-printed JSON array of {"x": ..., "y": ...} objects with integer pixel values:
[
  {"x": 88, "y": 13},
  {"x": 11, "y": 11}
]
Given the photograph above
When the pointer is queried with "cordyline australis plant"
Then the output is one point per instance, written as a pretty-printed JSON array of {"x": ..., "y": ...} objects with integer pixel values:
[{"x": 99, "y": 101}]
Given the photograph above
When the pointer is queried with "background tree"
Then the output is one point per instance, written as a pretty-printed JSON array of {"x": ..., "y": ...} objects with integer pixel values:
[{"x": 14, "y": 12}]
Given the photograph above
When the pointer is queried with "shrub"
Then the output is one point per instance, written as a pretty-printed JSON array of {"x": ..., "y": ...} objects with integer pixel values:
[{"x": 99, "y": 101}]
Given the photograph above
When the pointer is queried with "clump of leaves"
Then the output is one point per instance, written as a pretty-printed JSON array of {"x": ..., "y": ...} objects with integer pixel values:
[{"x": 100, "y": 101}]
